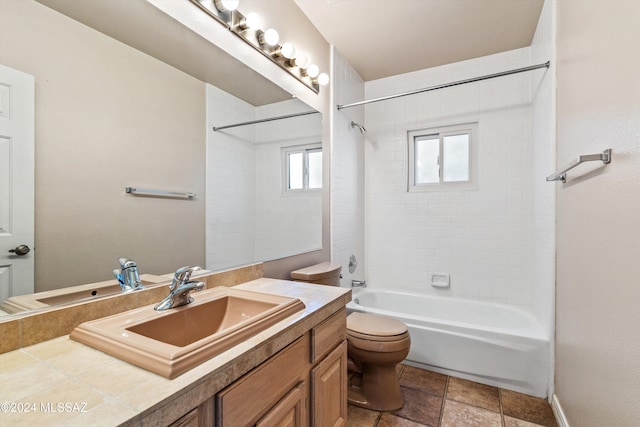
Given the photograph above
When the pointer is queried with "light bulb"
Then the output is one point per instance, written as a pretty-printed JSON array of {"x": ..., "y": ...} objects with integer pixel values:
[
  {"x": 302, "y": 60},
  {"x": 313, "y": 71},
  {"x": 226, "y": 5},
  {"x": 287, "y": 50},
  {"x": 270, "y": 37},
  {"x": 323, "y": 79},
  {"x": 252, "y": 21}
]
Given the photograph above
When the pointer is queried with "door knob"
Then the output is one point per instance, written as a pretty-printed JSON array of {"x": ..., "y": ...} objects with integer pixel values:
[{"x": 20, "y": 250}]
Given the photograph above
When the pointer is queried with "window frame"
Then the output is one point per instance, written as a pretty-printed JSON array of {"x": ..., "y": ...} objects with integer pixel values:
[
  {"x": 305, "y": 149},
  {"x": 470, "y": 129}
]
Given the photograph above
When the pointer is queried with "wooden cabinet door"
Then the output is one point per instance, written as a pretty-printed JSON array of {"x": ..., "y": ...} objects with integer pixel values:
[
  {"x": 329, "y": 389},
  {"x": 201, "y": 416},
  {"x": 289, "y": 412}
]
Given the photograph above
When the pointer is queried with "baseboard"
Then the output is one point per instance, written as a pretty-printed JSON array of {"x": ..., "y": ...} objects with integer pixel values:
[{"x": 557, "y": 411}]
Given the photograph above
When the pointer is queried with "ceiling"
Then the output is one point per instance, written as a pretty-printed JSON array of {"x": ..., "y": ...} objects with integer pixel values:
[{"x": 382, "y": 38}]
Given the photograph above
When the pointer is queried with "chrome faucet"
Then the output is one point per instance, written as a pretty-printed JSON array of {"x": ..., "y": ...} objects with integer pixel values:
[
  {"x": 128, "y": 275},
  {"x": 180, "y": 289}
]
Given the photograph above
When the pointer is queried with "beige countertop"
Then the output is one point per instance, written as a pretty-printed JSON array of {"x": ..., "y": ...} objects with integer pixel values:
[{"x": 63, "y": 382}]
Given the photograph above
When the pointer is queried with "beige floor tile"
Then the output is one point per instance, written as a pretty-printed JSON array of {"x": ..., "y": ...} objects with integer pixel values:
[
  {"x": 423, "y": 380},
  {"x": 473, "y": 393},
  {"x": 420, "y": 407},
  {"x": 457, "y": 414},
  {"x": 528, "y": 408},
  {"x": 388, "y": 420},
  {"x": 361, "y": 417},
  {"x": 514, "y": 422}
]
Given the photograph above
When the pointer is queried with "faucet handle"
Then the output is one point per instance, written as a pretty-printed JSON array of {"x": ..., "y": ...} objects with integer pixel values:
[
  {"x": 183, "y": 275},
  {"x": 126, "y": 263}
]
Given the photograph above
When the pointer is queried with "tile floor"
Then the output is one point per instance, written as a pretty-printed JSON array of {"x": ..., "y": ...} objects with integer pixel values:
[{"x": 436, "y": 400}]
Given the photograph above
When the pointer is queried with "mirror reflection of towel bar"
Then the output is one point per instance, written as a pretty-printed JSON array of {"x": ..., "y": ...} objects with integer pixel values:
[
  {"x": 561, "y": 175},
  {"x": 158, "y": 193}
]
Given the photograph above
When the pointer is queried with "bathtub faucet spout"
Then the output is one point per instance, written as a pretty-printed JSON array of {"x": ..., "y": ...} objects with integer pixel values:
[{"x": 358, "y": 284}]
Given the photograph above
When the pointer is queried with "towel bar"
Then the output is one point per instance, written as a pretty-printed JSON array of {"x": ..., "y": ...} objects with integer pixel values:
[
  {"x": 158, "y": 193},
  {"x": 561, "y": 175}
]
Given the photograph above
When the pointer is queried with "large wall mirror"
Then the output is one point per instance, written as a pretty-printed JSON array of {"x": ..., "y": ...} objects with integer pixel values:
[{"x": 125, "y": 96}]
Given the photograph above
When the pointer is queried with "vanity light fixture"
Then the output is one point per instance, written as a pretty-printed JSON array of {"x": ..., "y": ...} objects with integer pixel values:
[
  {"x": 266, "y": 42},
  {"x": 269, "y": 37},
  {"x": 287, "y": 51},
  {"x": 226, "y": 5},
  {"x": 250, "y": 22},
  {"x": 301, "y": 61},
  {"x": 313, "y": 71},
  {"x": 323, "y": 79}
]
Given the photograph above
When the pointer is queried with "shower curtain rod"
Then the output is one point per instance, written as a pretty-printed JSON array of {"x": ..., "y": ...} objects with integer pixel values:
[
  {"x": 446, "y": 85},
  {"x": 253, "y": 122}
]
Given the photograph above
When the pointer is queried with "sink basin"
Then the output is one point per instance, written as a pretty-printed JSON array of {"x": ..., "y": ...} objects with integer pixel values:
[
  {"x": 83, "y": 294},
  {"x": 171, "y": 342},
  {"x": 72, "y": 294}
]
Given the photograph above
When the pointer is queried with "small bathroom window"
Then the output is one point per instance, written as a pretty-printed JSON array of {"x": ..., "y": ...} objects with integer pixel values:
[
  {"x": 302, "y": 168},
  {"x": 442, "y": 158}
]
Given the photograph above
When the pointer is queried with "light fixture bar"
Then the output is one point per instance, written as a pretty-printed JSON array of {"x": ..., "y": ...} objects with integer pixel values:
[
  {"x": 235, "y": 22},
  {"x": 446, "y": 85}
]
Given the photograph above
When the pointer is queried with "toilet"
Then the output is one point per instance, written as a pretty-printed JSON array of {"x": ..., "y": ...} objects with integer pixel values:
[{"x": 375, "y": 346}]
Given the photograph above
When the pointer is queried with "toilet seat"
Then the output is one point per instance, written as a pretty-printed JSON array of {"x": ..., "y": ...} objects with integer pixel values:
[
  {"x": 374, "y": 327},
  {"x": 376, "y": 333}
]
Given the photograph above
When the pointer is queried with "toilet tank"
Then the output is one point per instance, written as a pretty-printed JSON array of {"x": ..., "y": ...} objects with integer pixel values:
[{"x": 325, "y": 273}]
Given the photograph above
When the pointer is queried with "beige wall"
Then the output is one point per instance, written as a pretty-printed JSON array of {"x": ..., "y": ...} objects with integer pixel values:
[
  {"x": 107, "y": 116},
  {"x": 598, "y": 214}
]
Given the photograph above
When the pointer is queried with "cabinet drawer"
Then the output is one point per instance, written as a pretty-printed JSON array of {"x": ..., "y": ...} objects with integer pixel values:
[
  {"x": 249, "y": 398},
  {"x": 328, "y": 334}
]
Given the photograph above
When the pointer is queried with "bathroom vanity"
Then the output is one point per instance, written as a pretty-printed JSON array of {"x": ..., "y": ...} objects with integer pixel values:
[{"x": 293, "y": 372}]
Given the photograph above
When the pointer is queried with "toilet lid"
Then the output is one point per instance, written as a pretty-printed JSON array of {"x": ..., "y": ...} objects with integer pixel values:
[{"x": 375, "y": 328}]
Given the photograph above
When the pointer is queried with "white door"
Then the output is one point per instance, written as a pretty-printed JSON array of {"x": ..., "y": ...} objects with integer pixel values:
[{"x": 17, "y": 122}]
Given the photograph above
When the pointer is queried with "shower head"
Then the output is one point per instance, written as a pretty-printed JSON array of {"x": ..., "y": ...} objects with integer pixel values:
[{"x": 360, "y": 127}]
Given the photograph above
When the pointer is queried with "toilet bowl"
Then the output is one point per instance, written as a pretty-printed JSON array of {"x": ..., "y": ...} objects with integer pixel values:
[{"x": 375, "y": 346}]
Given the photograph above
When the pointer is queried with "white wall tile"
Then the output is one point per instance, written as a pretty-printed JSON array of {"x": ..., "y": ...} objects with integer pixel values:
[
  {"x": 247, "y": 217},
  {"x": 347, "y": 183},
  {"x": 481, "y": 237}
]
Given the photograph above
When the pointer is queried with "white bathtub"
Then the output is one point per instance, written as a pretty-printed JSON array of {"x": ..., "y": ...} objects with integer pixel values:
[{"x": 489, "y": 343}]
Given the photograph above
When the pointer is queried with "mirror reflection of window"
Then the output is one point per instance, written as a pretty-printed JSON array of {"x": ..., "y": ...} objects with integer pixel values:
[
  {"x": 303, "y": 168},
  {"x": 315, "y": 169},
  {"x": 296, "y": 171}
]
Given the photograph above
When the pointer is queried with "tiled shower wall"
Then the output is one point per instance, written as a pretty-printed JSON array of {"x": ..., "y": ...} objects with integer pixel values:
[
  {"x": 347, "y": 176},
  {"x": 248, "y": 218},
  {"x": 543, "y": 152},
  {"x": 543, "y": 131},
  {"x": 482, "y": 237},
  {"x": 285, "y": 224},
  {"x": 230, "y": 199}
]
